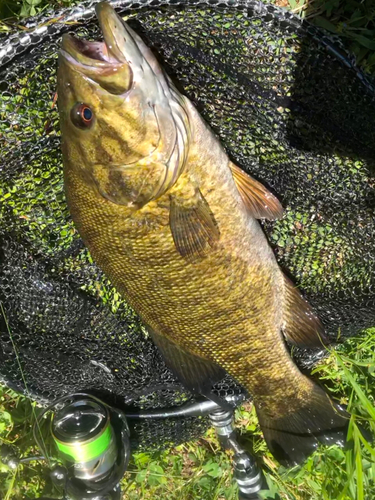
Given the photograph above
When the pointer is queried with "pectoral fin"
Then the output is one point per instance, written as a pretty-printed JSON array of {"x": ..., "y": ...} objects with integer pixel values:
[
  {"x": 197, "y": 374},
  {"x": 193, "y": 225},
  {"x": 301, "y": 326},
  {"x": 258, "y": 200}
]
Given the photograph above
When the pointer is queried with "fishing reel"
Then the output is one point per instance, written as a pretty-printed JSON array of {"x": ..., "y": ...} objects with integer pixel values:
[{"x": 92, "y": 440}]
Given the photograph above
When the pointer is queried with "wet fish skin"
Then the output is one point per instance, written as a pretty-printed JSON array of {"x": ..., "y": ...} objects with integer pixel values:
[{"x": 158, "y": 203}]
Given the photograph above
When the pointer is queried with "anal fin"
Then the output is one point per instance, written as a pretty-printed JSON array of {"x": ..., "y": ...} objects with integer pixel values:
[
  {"x": 198, "y": 375},
  {"x": 301, "y": 325},
  {"x": 258, "y": 200}
]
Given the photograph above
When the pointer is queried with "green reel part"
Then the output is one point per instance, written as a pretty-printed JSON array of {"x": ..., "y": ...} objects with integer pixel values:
[{"x": 85, "y": 438}]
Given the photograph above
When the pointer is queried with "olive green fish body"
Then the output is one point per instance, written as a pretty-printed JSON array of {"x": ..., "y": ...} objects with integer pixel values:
[
  {"x": 172, "y": 222},
  {"x": 227, "y": 307}
]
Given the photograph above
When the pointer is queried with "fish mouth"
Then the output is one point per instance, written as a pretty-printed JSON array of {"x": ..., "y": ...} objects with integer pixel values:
[
  {"x": 115, "y": 32},
  {"x": 108, "y": 62},
  {"x": 95, "y": 53},
  {"x": 85, "y": 53}
]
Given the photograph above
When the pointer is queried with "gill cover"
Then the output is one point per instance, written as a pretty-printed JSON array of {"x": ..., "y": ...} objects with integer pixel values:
[
  {"x": 160, "y": 170},
  {"x": 137, "y": 183}
]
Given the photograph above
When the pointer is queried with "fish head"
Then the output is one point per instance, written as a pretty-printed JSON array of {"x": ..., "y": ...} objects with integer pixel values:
[{"x": 121, "y": 121}]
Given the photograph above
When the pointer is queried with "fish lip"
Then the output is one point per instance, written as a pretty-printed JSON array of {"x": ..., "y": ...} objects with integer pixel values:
[
  {"x": 101, "y": 62},
  {"x": 76, "y": 47},
  {"x": 97, "y": 57},
  {"x": 84, "y": 53},
  {"x": 96, "y": 54},
  {"x": 108, "y": 20},
  {"x": 122, "y": 43}
]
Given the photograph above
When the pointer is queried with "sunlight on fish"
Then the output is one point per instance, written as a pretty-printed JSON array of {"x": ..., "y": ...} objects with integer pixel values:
[{"x": 173, "y": 223}]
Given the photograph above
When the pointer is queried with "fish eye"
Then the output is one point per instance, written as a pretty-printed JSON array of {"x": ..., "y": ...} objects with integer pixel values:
[{"x": 82, "y": 115}]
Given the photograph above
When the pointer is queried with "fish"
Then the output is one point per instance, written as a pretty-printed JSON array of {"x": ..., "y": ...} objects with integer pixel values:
[{"x": 174, "y": 224}]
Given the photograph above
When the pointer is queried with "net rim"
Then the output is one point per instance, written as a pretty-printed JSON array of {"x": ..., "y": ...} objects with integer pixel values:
[{"x": 40, "y": 28}]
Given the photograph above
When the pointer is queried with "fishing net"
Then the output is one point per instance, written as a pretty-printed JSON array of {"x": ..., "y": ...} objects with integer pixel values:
[{"x": 288, "y": 105}]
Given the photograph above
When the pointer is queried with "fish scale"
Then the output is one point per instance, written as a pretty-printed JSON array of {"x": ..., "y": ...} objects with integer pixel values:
[
  {"x": 150, "y": 272},
  {"x": 176, "y": 232}
]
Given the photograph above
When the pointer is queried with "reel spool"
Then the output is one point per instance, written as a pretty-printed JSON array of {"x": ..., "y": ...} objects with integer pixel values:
[
  {"x": 92, "y": 440},
  {"x": 84, "y": 437}
]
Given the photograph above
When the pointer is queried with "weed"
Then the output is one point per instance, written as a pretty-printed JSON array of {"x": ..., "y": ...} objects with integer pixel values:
[{"x": 201, "y": 470}]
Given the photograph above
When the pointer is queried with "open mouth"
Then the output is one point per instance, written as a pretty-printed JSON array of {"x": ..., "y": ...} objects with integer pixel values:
[
  {"x": 102, "y": 62},
  {"x": 95, "y": 53},
  {"x": 115, "y": 33},
  {"x": 117, "y": 62},
  {"x": 92, "y": 50},
  {"x": 87, "y": 54}
]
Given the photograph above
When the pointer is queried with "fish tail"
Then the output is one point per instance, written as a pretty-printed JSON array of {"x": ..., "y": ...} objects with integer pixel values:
[{"x": 292, "y": 438}]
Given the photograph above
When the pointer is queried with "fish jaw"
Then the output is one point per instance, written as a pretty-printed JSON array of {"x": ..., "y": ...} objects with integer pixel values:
[
  {"x": 137, "y": 146},
  {"x": 157, "y": 94},
  {"x": 121, "y": 41},
  {"x": 125, "y": 45},
  {"x": 120, "y": 64},
  {"x": 94, "y": 60}
]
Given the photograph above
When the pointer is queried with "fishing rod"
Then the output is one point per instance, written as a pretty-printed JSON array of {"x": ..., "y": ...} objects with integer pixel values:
[{"x": 92, "y": 440}]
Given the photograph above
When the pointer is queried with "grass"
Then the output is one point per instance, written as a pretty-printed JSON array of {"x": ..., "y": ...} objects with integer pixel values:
[
  {"x": 26, "y": 8},
  {"x": 200, "y": 470}
]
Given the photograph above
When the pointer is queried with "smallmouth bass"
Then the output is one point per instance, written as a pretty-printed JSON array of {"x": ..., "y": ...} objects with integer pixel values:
[{"x": 173, "y": 223}]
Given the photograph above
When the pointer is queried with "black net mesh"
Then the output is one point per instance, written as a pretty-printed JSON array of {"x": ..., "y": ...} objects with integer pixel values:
[{"x": 288, "y": 106}]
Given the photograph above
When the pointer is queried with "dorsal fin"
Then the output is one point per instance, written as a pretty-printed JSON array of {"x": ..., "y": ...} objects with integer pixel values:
[
  {"x": 301, "y": 325},
  {"x": 258, "y": 200}
]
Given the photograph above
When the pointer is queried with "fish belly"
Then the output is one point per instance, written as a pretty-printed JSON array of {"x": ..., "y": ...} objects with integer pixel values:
[{"x": 226, "y": 308}]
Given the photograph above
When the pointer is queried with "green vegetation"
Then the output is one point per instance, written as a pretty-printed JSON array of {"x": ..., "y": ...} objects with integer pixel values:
[
  {"x": 353, "y": 21},
  {"x": 27, "y": 8},
  {"x": 201, "y": 470}
]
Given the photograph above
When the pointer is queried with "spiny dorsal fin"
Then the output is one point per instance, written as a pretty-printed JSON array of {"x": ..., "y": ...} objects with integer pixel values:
[
  {"x": 193, "y": 226},
  {"x": 258, "y": 200},
  {"x": 301, "y": 326}
]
